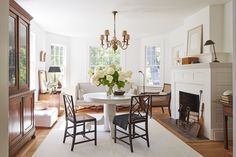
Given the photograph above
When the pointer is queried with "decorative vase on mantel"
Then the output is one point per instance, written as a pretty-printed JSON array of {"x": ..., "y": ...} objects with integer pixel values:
[{"x": 109, "y": 90}]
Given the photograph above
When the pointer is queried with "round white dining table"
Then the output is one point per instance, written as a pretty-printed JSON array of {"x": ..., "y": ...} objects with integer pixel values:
[{"x": 109, "y": 109}]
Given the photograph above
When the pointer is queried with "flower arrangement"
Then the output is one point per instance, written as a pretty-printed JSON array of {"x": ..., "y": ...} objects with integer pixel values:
[{"x": 110, "y": 76}]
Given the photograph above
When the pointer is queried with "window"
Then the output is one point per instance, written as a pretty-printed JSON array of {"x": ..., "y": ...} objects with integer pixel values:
[
  {"x": 58, "y": 55},
  {"x": 152, "y": 65},
  {"x": 100, "y": 57}
]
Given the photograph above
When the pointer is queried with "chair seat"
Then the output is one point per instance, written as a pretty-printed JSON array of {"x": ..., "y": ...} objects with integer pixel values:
[
  {"x": 160, "y": 102},
  {"x": 82, "y": 117},
  {"x": 123, "y": 120}
]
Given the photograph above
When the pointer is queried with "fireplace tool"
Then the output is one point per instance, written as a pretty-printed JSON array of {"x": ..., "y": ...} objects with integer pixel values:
[
  {"x": 195, "y": 126},
  {"x": 183, "y": 116}
]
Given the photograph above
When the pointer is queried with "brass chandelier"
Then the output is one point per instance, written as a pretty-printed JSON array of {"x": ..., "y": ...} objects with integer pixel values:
[{"x": 114, "y": 43}]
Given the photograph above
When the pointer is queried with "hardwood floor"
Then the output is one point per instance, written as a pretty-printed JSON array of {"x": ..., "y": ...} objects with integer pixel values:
[{"x": 206, "y": 148}]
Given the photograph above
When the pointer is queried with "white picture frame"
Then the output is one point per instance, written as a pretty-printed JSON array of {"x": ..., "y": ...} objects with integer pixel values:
[{"x": 194, "y": 41}]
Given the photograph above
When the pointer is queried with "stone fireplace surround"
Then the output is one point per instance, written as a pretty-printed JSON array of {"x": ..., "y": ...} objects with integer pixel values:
[{"x": 213, "y": 79}]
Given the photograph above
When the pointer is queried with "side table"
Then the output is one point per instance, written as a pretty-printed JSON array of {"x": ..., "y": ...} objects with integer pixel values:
[
  {"x": 53, "y": 99},
  {"x": 227, "y": 112}
]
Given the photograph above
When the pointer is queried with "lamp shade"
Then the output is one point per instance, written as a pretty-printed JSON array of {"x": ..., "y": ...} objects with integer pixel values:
[
  {"x": 209, "y": 42},
  {"x": 54, "y": 69}
]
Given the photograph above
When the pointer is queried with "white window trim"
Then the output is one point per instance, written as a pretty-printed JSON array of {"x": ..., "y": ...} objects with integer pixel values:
[{"x": 161, "y": 45}]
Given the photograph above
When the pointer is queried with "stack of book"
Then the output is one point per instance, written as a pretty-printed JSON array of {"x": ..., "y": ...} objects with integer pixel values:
[{"x": 227, "y": 99}]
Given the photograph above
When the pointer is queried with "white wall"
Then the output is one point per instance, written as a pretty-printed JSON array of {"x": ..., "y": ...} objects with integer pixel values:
[
  {"x": 216, "y": 30},
  {"x": 131, "y": 59},
  {"x": 4, "y": 11},
  {"x": 234, "y": 77},
  {"x": 40, "y": 44},
  {"x": 79, "y": 60},
  {"x": 228, "y": 27}
]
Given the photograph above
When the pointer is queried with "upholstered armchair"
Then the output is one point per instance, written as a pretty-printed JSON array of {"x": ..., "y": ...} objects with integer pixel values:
[{"x": 161, "y": 99}]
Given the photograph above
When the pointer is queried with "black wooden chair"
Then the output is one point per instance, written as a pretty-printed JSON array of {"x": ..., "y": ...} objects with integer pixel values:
[
  {"x": 77, "y": 120},
  {"x": 138, "y": 113}
]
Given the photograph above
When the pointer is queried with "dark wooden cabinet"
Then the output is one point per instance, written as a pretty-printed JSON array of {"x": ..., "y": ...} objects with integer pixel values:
[
  {"x": 21, "y": 120},
  {"x": 21, "y": 100}
]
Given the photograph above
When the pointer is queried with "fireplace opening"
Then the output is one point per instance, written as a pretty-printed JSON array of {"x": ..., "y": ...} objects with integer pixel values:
[
  {"x": 189, "y": 115},
  {"x": 189, "y": 100}
]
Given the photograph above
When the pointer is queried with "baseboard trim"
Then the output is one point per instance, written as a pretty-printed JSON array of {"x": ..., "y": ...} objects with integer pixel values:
[{"x": 218, "y": 134}]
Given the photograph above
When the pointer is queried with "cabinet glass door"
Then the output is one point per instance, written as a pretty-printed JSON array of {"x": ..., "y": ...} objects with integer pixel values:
[
  {"x": 12, "y": 52},
  {"x": 23, "y": 54}
]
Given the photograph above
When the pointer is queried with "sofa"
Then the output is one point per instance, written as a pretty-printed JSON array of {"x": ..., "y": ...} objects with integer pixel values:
[{"x": 83, "y": 88}]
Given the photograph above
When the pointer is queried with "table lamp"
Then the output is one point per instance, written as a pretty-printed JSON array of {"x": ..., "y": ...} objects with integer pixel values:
[
  {"x": 210, "y": 42},
  {"x": 54, "y": 70}
]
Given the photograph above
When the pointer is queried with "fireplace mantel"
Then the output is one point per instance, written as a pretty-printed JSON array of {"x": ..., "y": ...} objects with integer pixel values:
[
  {"x": 203, "y": 66},
  {"x": 213, "y": 79}
]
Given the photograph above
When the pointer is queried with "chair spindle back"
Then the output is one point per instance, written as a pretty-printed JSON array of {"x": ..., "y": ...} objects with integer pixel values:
[{"x": 69, "y": 106}]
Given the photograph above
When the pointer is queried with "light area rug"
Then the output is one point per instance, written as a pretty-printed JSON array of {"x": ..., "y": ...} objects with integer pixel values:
[{"x": 162, "y": 144}]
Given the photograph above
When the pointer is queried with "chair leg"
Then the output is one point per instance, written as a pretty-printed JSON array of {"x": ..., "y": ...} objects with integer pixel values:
[
  {"x": 83, "y": 129},
  {"x": 95, "y": 132},
  {"x": 147, "y": 136},
  {"x": 64, "y": 139},
  {"x": 130, "y": 139},
  {"x": 74, "y": 136},
  {"x": 169, "y": 111},
  {"x": 115, "y": 134},
  {"x": 150, "y": 111},
  {"x": 133, "y": 130},
  {"x": 162, "y": 110}
]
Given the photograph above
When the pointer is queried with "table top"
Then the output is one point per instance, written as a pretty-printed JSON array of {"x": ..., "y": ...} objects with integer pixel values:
[{"x": 103, "y": 98}]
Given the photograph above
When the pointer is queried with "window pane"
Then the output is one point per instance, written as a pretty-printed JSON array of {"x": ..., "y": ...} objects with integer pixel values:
[
  {"x": 12, "y": 52},
  {"x": 153, "y": 75},
  {"x": 100, "y": 57},
  {"x": 22, "y": 54},
  {"x": 152, "y": 70}
]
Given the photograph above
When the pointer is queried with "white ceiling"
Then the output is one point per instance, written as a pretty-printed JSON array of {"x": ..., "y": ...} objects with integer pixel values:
[{"x": 88, "y": 18}]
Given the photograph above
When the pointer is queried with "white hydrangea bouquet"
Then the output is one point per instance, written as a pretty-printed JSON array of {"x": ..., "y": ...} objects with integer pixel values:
[{"x": 110, "y": 76}]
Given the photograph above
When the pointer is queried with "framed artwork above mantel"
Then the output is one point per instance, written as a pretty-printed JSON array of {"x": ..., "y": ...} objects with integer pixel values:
[{"x": 195, "y": 41}]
